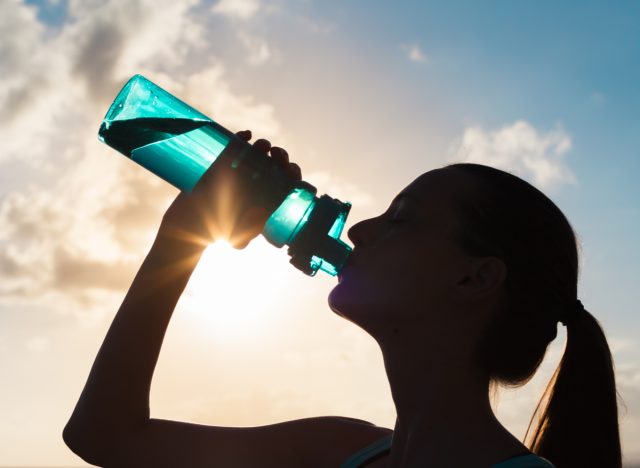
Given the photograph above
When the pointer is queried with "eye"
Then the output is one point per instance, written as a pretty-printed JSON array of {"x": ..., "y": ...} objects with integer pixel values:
[
  {"x": 397, "y": 221},
  {"x": 398, "y": 215}
]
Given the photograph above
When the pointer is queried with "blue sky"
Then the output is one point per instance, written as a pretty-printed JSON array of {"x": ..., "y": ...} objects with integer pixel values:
[{"x": 366, "y": 95}]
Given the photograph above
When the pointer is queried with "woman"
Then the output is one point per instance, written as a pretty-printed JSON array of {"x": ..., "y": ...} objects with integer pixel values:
[{"x": 461, "y": 282}]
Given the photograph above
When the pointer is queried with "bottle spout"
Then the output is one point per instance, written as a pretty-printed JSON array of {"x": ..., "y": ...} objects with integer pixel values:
[{"x": 317, "y": 246}]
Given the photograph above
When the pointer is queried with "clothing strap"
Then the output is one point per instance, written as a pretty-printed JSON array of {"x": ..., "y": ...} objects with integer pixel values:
[
  {"x": 525, "y": 461},
  {"x": 369, "y": 452},
  {"x": 384, "y": 444}
]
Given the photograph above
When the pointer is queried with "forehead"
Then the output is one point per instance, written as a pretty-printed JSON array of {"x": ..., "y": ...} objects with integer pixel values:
[
  {"x": 432, "y": 196},
  {"x": 433, "y": 187}
]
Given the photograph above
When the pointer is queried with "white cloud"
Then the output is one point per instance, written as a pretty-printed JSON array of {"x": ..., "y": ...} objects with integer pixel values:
[
  {"x": 27, "y": 73},
  {"x": 597, "y": 98},
  {"x": 37, "y": 344},
  {"x": 414, "y": 53},
  {"x": 209, "y": 91},
  {"x": 72, "y": 239},
  {"x": 315, "y": 25},
  {"x": 259, "y": 50},
  {"x": 519, "y": 148},
  {"x": 620, "y": 345},
  {"x": 628, "y": 386},
  {"x": 20, "y": 32},
  {"x": 240, "y": 9},
  {"x": 343, "y": 191},
  {"x": 628, "y": 383}
]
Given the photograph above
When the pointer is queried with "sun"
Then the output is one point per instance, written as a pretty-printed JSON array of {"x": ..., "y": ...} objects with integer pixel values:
[{"x": 237, "y": 294}]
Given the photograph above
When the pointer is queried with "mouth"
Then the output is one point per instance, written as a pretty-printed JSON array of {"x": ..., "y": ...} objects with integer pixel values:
[{"x": 348, "y": 265}]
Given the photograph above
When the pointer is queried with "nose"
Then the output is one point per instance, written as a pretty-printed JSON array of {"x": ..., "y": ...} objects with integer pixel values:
[{"x": 359, "y": 232}]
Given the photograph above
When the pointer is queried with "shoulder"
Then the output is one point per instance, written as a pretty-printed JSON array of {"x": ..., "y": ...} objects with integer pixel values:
[{"x": 329, "y": 440}]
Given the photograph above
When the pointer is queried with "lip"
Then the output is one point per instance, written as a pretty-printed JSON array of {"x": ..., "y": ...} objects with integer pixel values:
[{"x": 348, "y": 265}]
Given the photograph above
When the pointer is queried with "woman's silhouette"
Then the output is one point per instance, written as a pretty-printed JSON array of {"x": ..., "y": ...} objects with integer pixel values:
[{"x": 462, "y": 283}]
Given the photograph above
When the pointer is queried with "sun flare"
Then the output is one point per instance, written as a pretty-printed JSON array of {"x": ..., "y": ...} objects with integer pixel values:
[{"x": 236, "y": 294}]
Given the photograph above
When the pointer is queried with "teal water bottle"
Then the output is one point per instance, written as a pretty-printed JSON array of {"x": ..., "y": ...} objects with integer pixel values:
[{"x": 176, "y": 142}]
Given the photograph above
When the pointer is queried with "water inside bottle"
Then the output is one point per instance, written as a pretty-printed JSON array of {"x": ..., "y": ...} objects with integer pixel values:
[{"x": 177, "y": 150}]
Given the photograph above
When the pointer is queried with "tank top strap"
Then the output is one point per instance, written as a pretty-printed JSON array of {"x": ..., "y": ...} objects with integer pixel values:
[
  {"x": 525, "y": 461},
  {"x": 369, "y": 452},
  {"x": 382, "y": 445}
]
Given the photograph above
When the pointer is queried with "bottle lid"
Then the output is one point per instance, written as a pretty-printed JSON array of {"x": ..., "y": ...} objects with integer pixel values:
[{"x": 317, "y": 245}]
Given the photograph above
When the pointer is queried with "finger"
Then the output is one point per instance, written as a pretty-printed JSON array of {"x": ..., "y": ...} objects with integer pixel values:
[
  {"x": 279, "y": 155},
  {"x": 294, "y": 170},
  {"x": 244, "y": 135},
  {"x": 262, "y": 145}
]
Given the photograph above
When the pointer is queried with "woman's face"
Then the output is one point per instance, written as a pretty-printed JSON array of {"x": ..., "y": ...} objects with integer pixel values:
[{"x": 405, "y": 267}]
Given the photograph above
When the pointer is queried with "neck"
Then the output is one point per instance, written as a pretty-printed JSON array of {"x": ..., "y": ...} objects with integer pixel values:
[{"x": 444, "y": 416}]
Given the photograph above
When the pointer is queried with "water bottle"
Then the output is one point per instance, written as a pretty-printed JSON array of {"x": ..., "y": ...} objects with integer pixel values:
[{"x": 176, "y": 142}]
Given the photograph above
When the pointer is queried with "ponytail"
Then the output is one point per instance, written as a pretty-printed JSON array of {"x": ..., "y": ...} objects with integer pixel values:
[
  {"x": 504, "y": 216},
  {"x": 578, "y": 426}
]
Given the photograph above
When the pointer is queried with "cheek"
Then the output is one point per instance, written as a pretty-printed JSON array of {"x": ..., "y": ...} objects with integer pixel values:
[
  {"x": 401, "y": 284},
  {"x": 360, "y": 294}
]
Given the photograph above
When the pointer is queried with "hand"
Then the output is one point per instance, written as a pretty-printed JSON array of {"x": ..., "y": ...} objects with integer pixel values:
[{"x": 216, "y": 208}]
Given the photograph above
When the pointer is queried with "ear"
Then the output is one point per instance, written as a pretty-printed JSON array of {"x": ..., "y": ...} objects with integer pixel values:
[{"x": 483, "y": 277}]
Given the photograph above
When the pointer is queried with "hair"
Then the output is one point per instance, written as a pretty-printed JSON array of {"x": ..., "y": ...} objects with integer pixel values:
[{"x": 577, "y": 416}]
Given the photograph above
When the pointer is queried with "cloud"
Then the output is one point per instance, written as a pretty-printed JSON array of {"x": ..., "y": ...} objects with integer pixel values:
[
  {"x": 209, "y": 91},
  {"x": 519, "y": 148},
  {"x": 72, "y": 237},
  {"x": 343, "y": 191},
  {"x": 259, "y": 49},
  {"x": 628, "y": 386},
  {"x": 414, "y": 53},
  {"x": 315, "y": 25},
  {"x": 27, "y": 73},
  {"x": 597, "y": 98},
  {"x": 37, "y": 344},
  {"x": 237, "y": 9}
]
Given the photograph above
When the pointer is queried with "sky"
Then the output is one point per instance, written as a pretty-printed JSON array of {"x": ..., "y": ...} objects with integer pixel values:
[{"x": 365, "y": 96}]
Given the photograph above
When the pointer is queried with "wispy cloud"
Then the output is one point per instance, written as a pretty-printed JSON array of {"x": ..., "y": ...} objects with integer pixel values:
[
  {"x": 237, "y": 9},
  {"x": 520, "y": 148},
  {"x": 339, "y": 189},
  {"x": 597, "y": 98},
  {"x": 259, "y": 50},
  {"x": 37, "y": 344},
  {"x": 74, "y": 237},
  {"x": 628, "y": 386},
  {"x": 414, "y": 53}
]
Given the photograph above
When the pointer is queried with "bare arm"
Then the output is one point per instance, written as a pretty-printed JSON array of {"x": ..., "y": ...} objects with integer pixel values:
[
  {"x": 111, "y": 423},
  {"x": 115, "y": 400},
  {"x": 113, "y": 408}
]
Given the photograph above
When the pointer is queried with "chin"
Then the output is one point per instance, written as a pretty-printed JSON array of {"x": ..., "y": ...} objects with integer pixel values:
[
  {"x": 353, "y": 303},
  {"x": 338, "y": 299}
]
